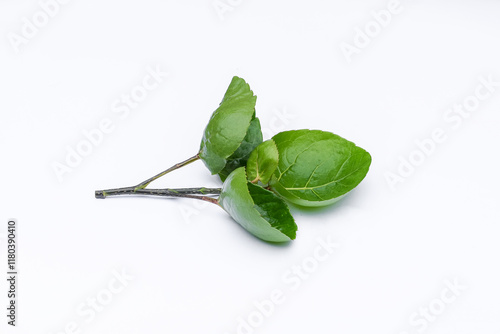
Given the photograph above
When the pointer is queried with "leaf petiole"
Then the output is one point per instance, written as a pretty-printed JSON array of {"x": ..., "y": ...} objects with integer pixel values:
[{"x": 144, "y": 184}]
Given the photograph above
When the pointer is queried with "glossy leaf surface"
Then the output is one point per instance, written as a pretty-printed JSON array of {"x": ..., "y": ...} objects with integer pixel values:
[
  {"x": 316, "y": 167},
  {"x": 228, "y": 125},
  {"x": 256, "y": 209},
  {"x": 262, "y": 162},
  {"x": 239, "y": 158}
]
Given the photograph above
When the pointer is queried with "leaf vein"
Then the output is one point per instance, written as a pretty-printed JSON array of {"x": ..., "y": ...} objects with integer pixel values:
[
  {"x": 296, "y": 157},
  {"x": 324, "y": 185}
]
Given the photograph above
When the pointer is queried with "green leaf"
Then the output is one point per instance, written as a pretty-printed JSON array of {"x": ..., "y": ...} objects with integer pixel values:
[
  {"x": 228, "y": 126},
  {"x": 262, "y": 162},
  {"x": 317, "y": 168},
  {"x": 256, "y": 209},
  {"x": 239, "y": 158}
]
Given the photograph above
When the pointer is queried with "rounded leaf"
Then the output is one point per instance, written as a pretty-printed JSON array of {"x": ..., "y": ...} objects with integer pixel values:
[
  {"x": 256, "y": 209},
  {"x": 316, "y": 167},
  {"x": 262, "y": 162},
  {"x": 228, "y": 126}
]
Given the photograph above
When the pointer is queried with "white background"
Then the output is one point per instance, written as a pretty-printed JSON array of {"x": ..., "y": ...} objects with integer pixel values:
[{"x": 194, "y": 269}]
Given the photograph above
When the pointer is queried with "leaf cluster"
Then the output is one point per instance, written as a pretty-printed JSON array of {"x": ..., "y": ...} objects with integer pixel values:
[{"x": 304, "y": 167}]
